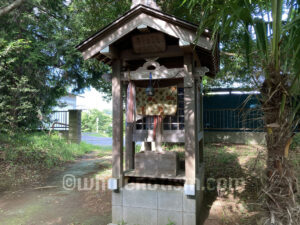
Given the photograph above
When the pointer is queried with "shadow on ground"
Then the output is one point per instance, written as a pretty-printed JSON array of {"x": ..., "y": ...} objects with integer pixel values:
[
  {"x": 227, "y": 186},
  {"x": 53, "y": 204}
]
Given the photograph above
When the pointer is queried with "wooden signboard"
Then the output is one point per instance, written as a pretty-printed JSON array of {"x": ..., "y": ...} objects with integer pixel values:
[{"x": 149, "y": 43}]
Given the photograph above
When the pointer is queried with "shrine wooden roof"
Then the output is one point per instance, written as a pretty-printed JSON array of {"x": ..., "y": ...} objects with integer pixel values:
[{"x": 142, "y": 15}]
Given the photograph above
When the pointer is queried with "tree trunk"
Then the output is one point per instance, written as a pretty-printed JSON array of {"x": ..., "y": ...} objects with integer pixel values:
[
  {"x": 6, "y": 9},
  {"x": 281, "y": 184}
]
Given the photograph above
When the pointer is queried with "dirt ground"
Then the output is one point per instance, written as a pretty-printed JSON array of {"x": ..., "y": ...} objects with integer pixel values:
[
  {"x": 232, "y": 206},
  {"x": 49, "y": 203}
]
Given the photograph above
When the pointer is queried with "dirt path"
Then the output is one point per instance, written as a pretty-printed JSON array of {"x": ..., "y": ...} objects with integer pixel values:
[
  {"x": 53, "y": 204},
  {"x": 58, "y": 206}
]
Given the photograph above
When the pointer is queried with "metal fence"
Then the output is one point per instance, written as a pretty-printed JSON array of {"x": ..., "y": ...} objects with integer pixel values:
[
  {"x": 233, "y": 119},
  {"x": 59, "y": 120}
]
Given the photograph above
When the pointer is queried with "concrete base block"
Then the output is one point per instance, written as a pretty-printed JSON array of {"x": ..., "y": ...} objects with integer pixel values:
[
  {"x": 235, "y": 137},
  {"x": 170, "y": 200},
  {"x": 189, "y": 219},
  {"x": 146, "y": 204},
  {"x": 117, "y": 214},
  {"x": 137, "y": 195},
  {"x": 189, "y": 204},
  {"x": 133, "y": 216},
  {"x": 117, "y": 199},
  {"x": 167, "y": 216}
]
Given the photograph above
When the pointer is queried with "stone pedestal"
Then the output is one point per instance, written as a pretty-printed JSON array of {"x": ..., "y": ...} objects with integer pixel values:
[{"x": 156, "y": 164}]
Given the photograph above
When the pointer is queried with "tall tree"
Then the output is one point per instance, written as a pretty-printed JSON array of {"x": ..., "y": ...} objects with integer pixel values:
[
  {"x": 37, "y": 53},
  {"x": 30, "y": 55},
  {"x": 271, "y": 46}
]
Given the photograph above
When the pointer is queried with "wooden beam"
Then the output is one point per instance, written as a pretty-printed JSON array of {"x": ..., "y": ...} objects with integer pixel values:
[
  {"x": 117, "y": 150},
  {"x": 190, "y": 118},
  {"x": 171, "y": 51},
  {"x": 183, "y": 43},
  {"x": 159, "y": 72},
  {"x": 110, "y": 52},
  {"x": 106, "y": 60},
  {"x": 196, "y": 59},
  {"x": 200, "y": 71},
  {"x": 185, "y": 46},
  {"x": 172, "y": 136},
  {"x": 156, "y": 74},
  {"x": 189, "y": 47}
]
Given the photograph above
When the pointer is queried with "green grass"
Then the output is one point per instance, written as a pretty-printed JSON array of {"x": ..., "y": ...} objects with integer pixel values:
[
  {"x": 221, "y": 162},
  {"x": 105, "y": 170},
  {"x": 41, "y": 150},
  {"x": 26, "y": 158},
  {"x": 104, "y": 150},
  {"x": 138, "y": 148}
]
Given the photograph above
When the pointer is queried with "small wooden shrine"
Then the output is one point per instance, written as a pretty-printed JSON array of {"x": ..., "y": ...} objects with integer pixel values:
[{"x": 158, "y": 62}]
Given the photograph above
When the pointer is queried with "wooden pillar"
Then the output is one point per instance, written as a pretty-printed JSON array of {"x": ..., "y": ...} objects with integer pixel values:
[
  {"x": 129, "y": 147},
  {"x": 117, "y": 150},
  {"x": 201, "y": 128},
  {"x": 190, "y": 114},
  {"x": 129, "y": 143}
]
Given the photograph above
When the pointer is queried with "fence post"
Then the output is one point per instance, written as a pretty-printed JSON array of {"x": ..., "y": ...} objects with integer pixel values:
[{"x": 75, "y": 125}]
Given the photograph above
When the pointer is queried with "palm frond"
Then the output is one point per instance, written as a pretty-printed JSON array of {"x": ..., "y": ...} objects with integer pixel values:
[
  {"x": 262, "y": 39},
  {"x": 276, "y": 27}
]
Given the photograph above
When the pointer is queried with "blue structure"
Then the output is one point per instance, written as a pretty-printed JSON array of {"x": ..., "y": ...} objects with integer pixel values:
[{"x": 232, "y": 112}]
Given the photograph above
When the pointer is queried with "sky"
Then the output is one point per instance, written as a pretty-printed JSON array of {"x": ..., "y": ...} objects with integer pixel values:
[{"x": 92, "y": 99}]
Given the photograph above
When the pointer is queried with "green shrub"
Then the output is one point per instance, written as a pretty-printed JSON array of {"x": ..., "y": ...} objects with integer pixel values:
[{"x": 40, "y": 149}]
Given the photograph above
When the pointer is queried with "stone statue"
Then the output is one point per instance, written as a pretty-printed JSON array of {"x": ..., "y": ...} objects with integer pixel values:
[{"x": 149, "y": 3}]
